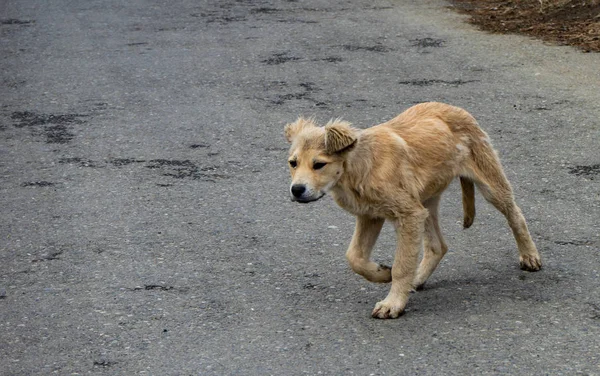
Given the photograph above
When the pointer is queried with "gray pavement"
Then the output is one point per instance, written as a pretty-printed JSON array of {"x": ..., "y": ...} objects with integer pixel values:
[{"x": 145, "y": 221}]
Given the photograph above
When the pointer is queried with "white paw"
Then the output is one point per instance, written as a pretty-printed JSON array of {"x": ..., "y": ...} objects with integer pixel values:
[
  {"x": 531, "y": 263},
  {"x": 389, "y": 308}
]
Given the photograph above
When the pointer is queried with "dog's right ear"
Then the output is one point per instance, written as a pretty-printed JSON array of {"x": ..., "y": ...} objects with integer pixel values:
[
  {"x": 339, "y": 136},
  {"x": 292, "y": 129}
]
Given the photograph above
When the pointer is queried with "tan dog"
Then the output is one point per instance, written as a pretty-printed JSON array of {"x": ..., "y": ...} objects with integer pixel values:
[{"x": 397, "y": 171}]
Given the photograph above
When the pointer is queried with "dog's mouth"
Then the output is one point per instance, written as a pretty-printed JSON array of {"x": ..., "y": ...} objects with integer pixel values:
[{"x": 306, "y": 200}]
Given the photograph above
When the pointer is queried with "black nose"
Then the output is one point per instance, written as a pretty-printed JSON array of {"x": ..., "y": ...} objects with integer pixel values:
[{"x": 298, "y": 190}]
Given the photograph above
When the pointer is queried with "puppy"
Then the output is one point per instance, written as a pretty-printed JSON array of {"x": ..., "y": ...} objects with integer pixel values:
[{"x": 397, "y": 171}]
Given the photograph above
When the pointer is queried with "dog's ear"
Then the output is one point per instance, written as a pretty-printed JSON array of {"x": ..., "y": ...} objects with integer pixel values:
[
  {"x": 292, "y": 129},
  {"x": 339, "y": 136}
]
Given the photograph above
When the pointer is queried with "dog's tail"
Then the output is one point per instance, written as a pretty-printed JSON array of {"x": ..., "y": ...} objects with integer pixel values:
[{"x": 468, "y": 200}]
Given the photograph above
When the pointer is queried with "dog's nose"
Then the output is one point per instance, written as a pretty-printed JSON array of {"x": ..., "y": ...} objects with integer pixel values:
[{"x": 298, "y": 190}]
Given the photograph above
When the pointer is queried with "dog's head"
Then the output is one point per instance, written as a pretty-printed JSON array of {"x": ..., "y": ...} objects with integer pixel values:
[{"x": 317, "y": 155}]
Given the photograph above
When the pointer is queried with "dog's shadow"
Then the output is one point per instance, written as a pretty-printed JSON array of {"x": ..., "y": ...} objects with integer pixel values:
[{"x": 489, "y": 290}]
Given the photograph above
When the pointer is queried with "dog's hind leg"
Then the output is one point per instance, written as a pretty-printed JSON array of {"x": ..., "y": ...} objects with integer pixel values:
[
  {"x": 434, "y": 246},
  {"x": 491, "y": 181},
  {"x": 359, "y": 252}
]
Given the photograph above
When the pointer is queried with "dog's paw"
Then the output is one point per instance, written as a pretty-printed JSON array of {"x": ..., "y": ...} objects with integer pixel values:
[
  {"x": 383, "y": 274},
  {"x": 389, "y": 309},
  {"x": 531, "y": 263}
]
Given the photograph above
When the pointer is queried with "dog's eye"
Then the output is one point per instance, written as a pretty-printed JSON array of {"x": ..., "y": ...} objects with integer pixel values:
[
  {"x": 293, "y": 164},
  {"x": 318, "y": 165}
]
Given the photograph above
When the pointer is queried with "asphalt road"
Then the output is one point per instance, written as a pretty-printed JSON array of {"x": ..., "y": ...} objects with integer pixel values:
[{"x": 146, "y": 226}]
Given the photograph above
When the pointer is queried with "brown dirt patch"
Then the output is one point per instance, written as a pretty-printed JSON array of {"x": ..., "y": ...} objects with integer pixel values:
[{"x": 565, "y": 22}]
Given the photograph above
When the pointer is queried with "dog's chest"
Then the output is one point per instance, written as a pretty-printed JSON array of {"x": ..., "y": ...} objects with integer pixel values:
[{"x": 356, "y": 203}]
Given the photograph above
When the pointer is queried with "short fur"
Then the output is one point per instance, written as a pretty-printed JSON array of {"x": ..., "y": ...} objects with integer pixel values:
[{"x": 397, "y": 171}]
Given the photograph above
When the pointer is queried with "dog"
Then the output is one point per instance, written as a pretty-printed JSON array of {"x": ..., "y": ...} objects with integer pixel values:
[{"x": 397, "y": 171}]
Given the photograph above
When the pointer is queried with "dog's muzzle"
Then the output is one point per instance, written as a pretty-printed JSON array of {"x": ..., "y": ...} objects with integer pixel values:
[{"x": 302, "y": 195}]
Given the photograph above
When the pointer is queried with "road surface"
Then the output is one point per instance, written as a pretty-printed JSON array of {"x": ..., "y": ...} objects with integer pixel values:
[{"x": 146, "y": 225}]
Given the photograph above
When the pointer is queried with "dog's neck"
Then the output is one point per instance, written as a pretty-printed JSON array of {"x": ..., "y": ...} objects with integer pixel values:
[{"x": 349, "y": 189}]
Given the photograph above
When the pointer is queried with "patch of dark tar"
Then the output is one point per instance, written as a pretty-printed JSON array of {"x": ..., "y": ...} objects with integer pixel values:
[
  {"x": 198, "y": 146},
  {"x": 376, "y": 7},
  {"x": 297, "y": 20},
  {"x": 14, "y": 21},
  {"x": 307, "y": 90},
  {"x": 209, "y": 168},
  {"x": 11, "y": 83},
  {"x": 436, "y": 82},
  {"x": 125, "y": 161},
  {"x": 164, "y": 185},
  {"x": 181, "y": 169},
  {"x": 174, "y": 168},
  {"x": 363, "y": 103},
  {"x": 331, "y": 59},
  {"x": 104, "y": 363},
  {"x": 264, "y": 10},
  {"x": 137, "y": 44},
  {"x": 281, "y": 99},
  {"x": 375, "y": 48},
  {"x": 55, "y": 127},
  {"x": 309, "y": 86},
  {"x": 38, "y": 184},
  {"x": 574, "y": 242},
  {"x": 585, "y": 170},
  {"x": 222, "y": 17},
  {"x": 58, "y": 134},
  {"x": 52, "y": 255},
  {"x": 280, "y": 58},
  {"x": 81, "y": 162},
  {"x": 232, "y": 3},
  {"x": 428, "y": 43},
  {"x": 154, "y": 287},
  {"x": 323, "y": 10},
  {"x": 173, "y": 28},
  {"x": 274, "y": 85},
  {"x": 32, "y": 119},
  {"x": 595, "y": 308}
]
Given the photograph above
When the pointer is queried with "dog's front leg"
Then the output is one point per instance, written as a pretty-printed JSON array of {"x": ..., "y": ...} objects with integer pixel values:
[
  {"x": 359, "y": 253},
  {"x": 409, "y": 231}
]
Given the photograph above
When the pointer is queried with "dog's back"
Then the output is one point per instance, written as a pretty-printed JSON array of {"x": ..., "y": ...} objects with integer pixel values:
[
  {"x": 442, "y": 133},
  {"x": 423, "y": 149}
]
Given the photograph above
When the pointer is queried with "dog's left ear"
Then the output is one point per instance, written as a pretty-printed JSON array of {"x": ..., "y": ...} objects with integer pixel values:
[
  {"x": 292, "y": 129},
  {"x": 339, "y": 136}
]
